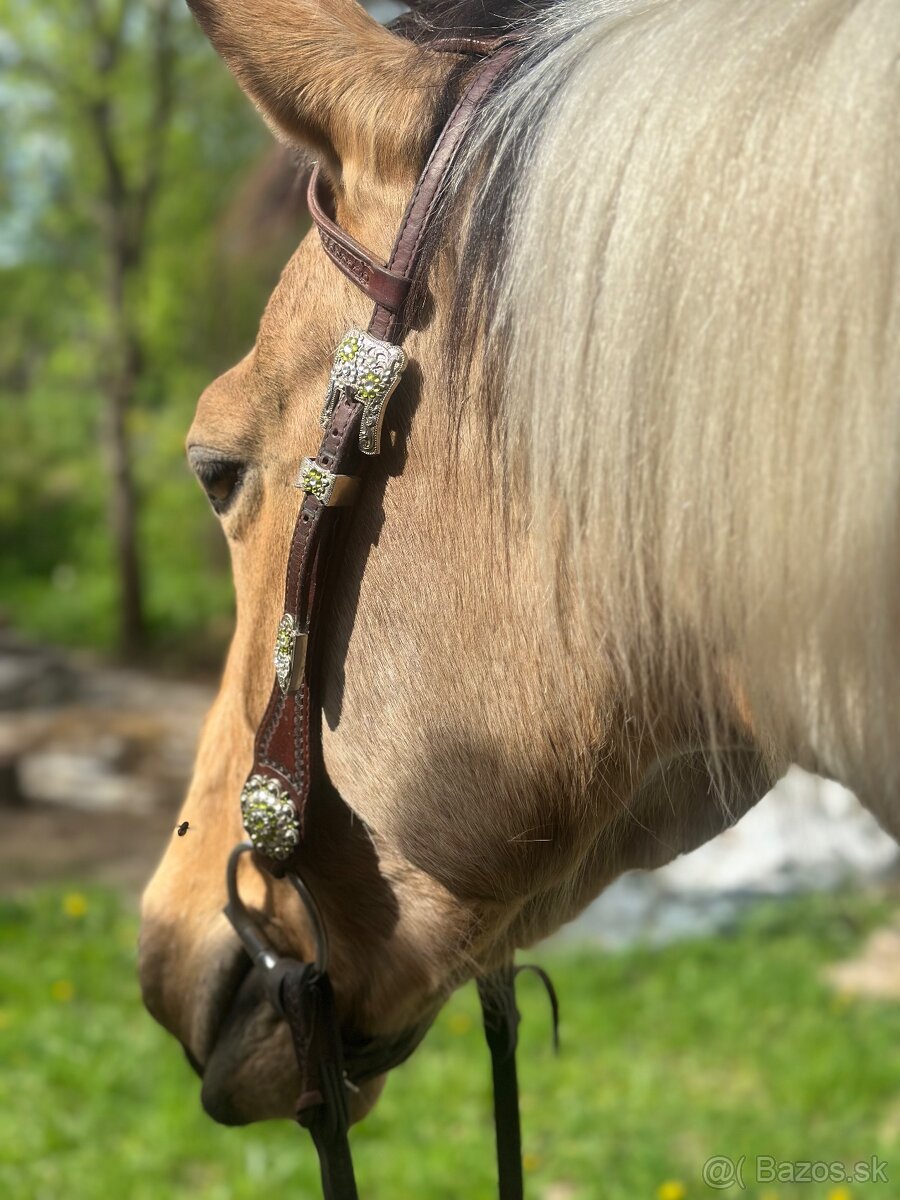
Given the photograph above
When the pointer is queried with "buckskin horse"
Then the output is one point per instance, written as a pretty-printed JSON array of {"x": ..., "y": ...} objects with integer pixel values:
[{"x": 630, "y": 545}]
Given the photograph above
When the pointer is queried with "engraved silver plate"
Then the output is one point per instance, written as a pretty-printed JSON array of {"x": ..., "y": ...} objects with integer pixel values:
[
  {"x": 270, "y": 817},
  {"x": 289, "y": 656},
  {"x": 369, "y": 369}
]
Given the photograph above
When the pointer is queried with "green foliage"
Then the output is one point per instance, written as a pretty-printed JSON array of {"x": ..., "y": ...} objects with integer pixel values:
[
  {"x": 724, "y": 1046},
  {"x": 195, "y": 310}
]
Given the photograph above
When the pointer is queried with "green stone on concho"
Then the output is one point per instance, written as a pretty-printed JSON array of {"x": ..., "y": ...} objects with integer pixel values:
[
  {"x": 315, "y": 481},
  {"x": 348, "y": 349},
  {"x": 270, "y": 817},
  {"x": 370, "y": 386}
]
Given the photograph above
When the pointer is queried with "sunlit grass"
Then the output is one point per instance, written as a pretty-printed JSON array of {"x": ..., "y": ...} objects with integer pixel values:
[{"x": 728, "y": 1046}]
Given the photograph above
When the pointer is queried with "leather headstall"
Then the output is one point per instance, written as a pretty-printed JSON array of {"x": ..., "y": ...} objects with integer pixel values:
[{"x": 288, "y": 771}]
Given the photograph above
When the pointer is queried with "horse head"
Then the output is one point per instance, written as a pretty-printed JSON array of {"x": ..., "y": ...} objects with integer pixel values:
[{"x": 576, "y": 605}]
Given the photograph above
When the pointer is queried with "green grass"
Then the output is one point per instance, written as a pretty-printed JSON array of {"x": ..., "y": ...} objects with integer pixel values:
[{"x": 729, "y": 1046}]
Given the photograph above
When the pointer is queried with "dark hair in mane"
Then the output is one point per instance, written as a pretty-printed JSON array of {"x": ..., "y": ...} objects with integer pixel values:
[
  {"x": 431, "y": 19},
  {"x": 481, "y": 250}
]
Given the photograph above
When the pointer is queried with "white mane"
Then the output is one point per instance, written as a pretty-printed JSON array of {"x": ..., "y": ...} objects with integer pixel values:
[{"x": 702, "y": 293}]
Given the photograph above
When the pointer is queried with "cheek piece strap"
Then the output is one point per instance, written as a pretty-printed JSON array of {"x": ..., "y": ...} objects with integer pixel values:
[{"x": 288, "y": 779}]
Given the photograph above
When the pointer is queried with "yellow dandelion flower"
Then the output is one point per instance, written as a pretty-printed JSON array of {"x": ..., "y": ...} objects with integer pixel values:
[
  {"x": 460, "y": 1023},
  {"x": 5, "y": 1018},
  {"x": 62, "y": 991},
  {"x": 672, "y": 1189},
  {"x": 839, "y": 1193},
  {"x": 531, "y": 1161},
  {"x": 770, "y": 1195},
  {"x": 74, "y": 904}
]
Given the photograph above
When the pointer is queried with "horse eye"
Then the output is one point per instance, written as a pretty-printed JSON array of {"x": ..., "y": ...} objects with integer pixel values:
[{"x": 219, "y": 477}]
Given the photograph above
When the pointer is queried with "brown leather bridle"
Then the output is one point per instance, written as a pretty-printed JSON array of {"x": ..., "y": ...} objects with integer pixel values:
[{"x": 288, "y": 778}]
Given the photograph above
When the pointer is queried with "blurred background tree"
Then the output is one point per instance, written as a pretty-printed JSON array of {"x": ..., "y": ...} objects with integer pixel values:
[{"x": 124, "y": 144}]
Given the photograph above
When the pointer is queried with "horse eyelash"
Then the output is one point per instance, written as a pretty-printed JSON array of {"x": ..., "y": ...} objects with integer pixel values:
[{"x": 211, "y": 471}]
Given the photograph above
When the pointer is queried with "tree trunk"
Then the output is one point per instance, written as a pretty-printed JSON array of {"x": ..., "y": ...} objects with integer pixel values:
[
  {"x": 123, "y": 520},
  {"x": 126, "y": 207}
]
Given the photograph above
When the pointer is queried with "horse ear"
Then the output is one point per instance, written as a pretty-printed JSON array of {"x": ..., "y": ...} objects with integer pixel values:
[{"x": 327, "y": 76}]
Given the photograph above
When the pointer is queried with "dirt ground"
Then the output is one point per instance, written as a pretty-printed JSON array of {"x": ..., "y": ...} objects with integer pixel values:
[
  {"x": 94, "y": 762},
  {"x": 44, "y": 843}
]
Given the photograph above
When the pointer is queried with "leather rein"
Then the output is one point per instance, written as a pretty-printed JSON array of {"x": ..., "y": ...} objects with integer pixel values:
[{"x": 286, "y": 783}]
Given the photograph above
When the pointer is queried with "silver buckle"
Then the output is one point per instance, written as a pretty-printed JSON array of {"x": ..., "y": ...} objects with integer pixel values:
[{"x": 369, "y": 370}]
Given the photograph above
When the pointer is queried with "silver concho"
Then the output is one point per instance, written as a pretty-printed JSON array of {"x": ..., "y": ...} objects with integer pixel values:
[
  {"x": 289, "y": 656},
  {"x": 369, "y": 369},
  {"x": 270, "y": 817},
  {"x": 316, "y": 480}
]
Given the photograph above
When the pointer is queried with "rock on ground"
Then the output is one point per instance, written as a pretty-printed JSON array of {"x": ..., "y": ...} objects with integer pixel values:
[{"x": 807, "y": 834}]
